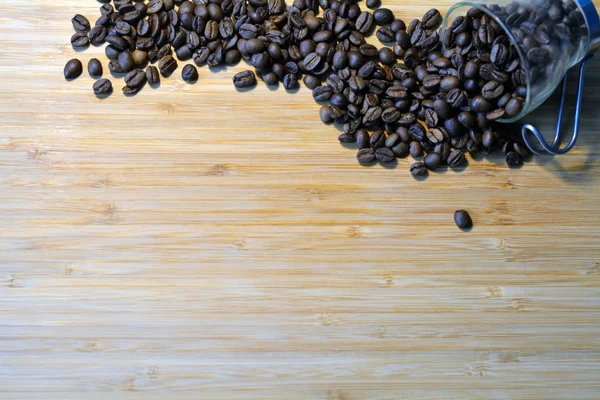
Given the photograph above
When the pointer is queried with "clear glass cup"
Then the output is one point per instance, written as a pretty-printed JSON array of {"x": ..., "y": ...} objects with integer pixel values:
[{"x": 550, "y": 37}]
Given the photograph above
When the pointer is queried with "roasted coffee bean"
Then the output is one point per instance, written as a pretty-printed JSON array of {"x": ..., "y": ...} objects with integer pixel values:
[
  {"x": 467, "y": 119},
  {"x": 432, "y": 161},
  {"x": 97, "y": 35},
  {"x": 418, "y": 169},
  {"x": 431, "y": 118},
  {"x": 135, "y": 79},
  {"x": 378, "y": 139},
  {"x": 392, "y": 140},
  {"x": 167, "y": 65},
  {"x": 366, "y": 156},
  {"x": 432, "y": 19},
  {"x": 372, "y": 115},
  {"x": 244, "y": 79},
  {"x": 385, "y": 35},
  {"x": 513, "y": 107},
  {"x": 80, "y": 39},
  {"x": 189, "y": 73},
  {"x": 73, "y": 69},
  {"x": 385, "y": 155},
  {"x": 462, "y": 219},
  {"x": 95, "y": 67},
  {"x": 514, "y": 159},
  {"x": 126, "y": 62},
  {"x": 480, "y": 104},
  {"x": 496, "y": 114},
  {"x": 415, "y": 149},
  {"x": 322, "y": 93},
  {"x": 139, "y": 57},
  {"x": 383, "y": 16},
  {"x": 456, "y": 158},
  {"x": 417, "y": 132},
  {"x": 492, "y": 90},
  {"x": 400, "y": 150},
  {"x": 152, "y": 75},
  {"x": 102, "y": 87},
  {"x": 362, "y": 139},
  {"x": 80, "y": 23},
  {"x": 346, "y": 138},
  {"x": 373, "y": 3},
  {"x": 386, "y": 56},
  {"x": 113, "y": 67},
  {"x": 487, "y": 139},
  {"x": 290, "y": 81},
  {"x": 448, "y": 83},
  {"x": 456, "y": 98},
  {"x": 520, "y": 149}
]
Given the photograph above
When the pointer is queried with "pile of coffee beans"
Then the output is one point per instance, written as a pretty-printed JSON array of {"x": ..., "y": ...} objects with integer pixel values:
[{"x": 420, "y": 94}]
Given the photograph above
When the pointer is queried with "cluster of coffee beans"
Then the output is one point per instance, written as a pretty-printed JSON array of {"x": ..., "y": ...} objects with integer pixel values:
[{"x": 410, "y": 97}]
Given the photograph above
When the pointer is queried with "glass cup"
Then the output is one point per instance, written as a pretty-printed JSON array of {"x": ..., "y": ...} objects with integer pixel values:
[{"x": 550, "y": 37}]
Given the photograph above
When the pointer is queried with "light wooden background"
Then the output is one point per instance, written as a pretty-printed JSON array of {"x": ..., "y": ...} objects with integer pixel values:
[{"x": 195, "y": 242}]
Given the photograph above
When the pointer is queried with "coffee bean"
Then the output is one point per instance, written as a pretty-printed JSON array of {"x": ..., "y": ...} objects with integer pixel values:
[
  {"x": 432, "y": 161},
  {"x": 462, "y": 219},
  {"x": 362, "y": 139},
  {"x": 456, "y": 98},
  {"x": 113, "y": 67},
  {"x": 290, "y": 82},
  {"x": 383, "y": 16},
  {"x": 384, "y": 155},
  {"x": 244, "y": 79},
  {"x": 80, "y": 39},
  {"x": 80, "y": 23},
  {"x": 95, "y": 67},
  {"x": 366, "y": 156},
  {"x": 418, "y": 169},
  {"x": 415, "y": 149},
  {"x": 520, "y": 149},
  {"x": 167, "y": 65},
  {"x": 417, "y": 132},
  {"x": 448, "y": 83},
  {"x": 189, "y": 73},
  {"x": 456, "y": 158},
  {"x": 126, "y": 62},
  {"x": 513, "y": 107},
  {"x": 496, "y": 114},
  {"x": 378, "y": 139},
  {"x": 514, "y": 159},
  {"x": 102, "y": 87},
  {"x": 492, "y": 90},
  {"x": 480, "y": 104},
  {"x": 385, "y": 35},
  {"x": 432, "y": 19},
  {"x": 346, "y": 138},
  {"x": 400, "y": 150},
  {"x": 487, "y": 139},
  {"x": 152, "y": 75},
  {"x": 73, "y": 69},
  {"x": 135, "y": 79}
]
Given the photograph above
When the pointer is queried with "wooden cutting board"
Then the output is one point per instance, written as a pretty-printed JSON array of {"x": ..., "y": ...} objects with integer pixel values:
[{"x": 196, "y": 242}]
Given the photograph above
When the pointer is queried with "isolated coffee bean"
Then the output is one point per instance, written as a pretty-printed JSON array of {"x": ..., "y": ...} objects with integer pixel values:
[
  {"x": 73, "y": 69},
  {"x": 102, "y": 87},
  {"x": 189, "y": 73},
  {"x": 462, "y": 219},
  {"x": 418, "y": 169},
  {"x": 95, "y": 67}
]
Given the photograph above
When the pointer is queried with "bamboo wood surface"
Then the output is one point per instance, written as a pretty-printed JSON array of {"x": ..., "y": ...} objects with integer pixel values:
[{"x": 196, "y": 242}]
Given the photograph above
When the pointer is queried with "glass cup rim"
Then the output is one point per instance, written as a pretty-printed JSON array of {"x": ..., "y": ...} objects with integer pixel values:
[{"x": 524, "y": 60}]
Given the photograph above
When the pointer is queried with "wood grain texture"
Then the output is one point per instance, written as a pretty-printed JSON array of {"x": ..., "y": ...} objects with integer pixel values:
[{"x": 195, "y": 242}]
